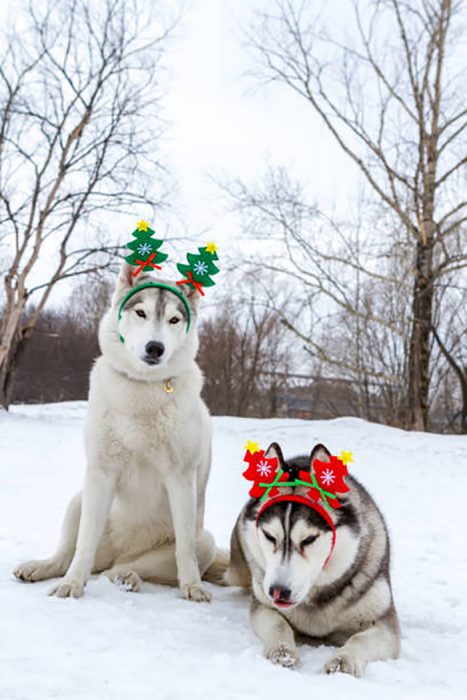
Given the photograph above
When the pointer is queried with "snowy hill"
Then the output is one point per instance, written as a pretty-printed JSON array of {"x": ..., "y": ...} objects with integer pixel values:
[{"x": 116, "y": 645}]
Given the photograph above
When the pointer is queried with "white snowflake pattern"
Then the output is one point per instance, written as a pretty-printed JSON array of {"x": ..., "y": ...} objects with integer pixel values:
[
  {"x": 263, "y": 468},
  {"x": 200, "y": 267},
  {"x": 144, "y": 249},
  {"x": 327, "y": 477}
]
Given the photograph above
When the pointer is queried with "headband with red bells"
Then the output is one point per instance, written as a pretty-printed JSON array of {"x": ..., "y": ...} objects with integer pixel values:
[{"x": 324, "y": 481}]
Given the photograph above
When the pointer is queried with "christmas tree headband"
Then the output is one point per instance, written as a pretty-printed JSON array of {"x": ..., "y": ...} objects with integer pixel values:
[
  {"x": 323, "y": 481},
  {"x": 146, "y": 256}
]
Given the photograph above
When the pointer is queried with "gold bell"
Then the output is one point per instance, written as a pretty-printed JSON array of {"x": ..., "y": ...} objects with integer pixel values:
[{"x": 168, "y": 386}]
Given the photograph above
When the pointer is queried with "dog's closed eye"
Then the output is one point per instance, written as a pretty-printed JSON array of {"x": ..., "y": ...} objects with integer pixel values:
[
  {"x": 269, "y": 537},
  {"x": 308, "y": 540}
]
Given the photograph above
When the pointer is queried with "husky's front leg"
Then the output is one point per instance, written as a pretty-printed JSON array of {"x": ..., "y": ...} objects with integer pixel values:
[
  {"x": 276, "y": 633},
  {"x": 97, "y": 498},
  {"x": 181, "y": 490},
  {"x": 379, "y": 642}
]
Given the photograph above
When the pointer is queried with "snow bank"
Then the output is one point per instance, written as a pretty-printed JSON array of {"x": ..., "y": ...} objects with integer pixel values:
[{"x": 116, "y": 645}]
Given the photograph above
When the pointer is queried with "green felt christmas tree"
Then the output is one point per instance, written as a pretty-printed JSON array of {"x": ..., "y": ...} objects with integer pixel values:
[
  {"x": 146, "y": 254},
  {"x": 200, "y": 268}
]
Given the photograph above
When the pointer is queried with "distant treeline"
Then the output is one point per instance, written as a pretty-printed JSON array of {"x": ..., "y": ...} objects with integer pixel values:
[{"x": 248, "y": 357}]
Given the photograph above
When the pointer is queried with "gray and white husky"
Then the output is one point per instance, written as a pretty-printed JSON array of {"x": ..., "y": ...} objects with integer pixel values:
[
  {"x": 344, "y": 599},
  {"x": 148, "y": 446}
]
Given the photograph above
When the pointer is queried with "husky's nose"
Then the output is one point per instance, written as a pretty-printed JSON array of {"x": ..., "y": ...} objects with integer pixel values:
[
  {"x": 279, "y": 594},
  {"x": 154, "y": 350}
]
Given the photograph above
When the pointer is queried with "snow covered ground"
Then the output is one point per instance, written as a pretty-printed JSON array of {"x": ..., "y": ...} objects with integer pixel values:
[{"x": 118, "y": 646}]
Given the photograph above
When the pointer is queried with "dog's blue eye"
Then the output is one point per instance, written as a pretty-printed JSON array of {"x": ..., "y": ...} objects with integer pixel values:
[
  {"x": 140, "y": 313},
  {"x": 174, "y": 320},
  {"x": 269, "y": 537},
  {"x": 308, "y": 540}
]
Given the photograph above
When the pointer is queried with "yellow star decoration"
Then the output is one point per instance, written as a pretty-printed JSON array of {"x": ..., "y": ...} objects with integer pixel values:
[
  {"x": 345, "y": 457},
  {"x": 252, "y": 447},
  {"x": 142, "y": 225},
  {"x": 211, "y": 248}
]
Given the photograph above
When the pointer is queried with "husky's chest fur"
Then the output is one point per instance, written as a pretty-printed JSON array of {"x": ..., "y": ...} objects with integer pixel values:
[{"x": 147, "y": 433}]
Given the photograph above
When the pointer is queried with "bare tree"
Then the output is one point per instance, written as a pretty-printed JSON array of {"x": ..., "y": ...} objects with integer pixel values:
[
  {"x": 450, "y": 334},
  {"x": 347, "y": 293},
  {"x": 56, "y": 362},
  {"x": 393, "y": 99},
  {"x": 244, "y": 355},
  {"x": 79, "y": 131}
]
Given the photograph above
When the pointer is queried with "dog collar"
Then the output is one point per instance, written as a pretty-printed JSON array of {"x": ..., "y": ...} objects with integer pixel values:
[
  {"x": 303, "y": 500},
  {"x": 159, "y": 285}
]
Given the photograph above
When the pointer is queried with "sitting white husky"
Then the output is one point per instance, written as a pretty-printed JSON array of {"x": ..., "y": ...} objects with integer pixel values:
[{"x": 148, "y": 443}]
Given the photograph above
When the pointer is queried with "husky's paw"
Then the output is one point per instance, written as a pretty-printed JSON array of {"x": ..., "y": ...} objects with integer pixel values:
[
  {"x": 283, "y": 655},
  {"x": 68, "y": 589},
  {"x": 344, "y": 662},
  {"x": 34, "y": 570},
  {"x": 127, "y": 580},
  {"x": 196, "y": 592}
]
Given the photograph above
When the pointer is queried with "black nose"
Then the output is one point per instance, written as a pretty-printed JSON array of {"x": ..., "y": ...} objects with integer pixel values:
[
  {"x": 154, "y": 350},
  {"x": 280, "y": 593}
]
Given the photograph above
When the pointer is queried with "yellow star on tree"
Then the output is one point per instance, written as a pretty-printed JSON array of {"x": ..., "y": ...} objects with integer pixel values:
[
  {"x": 252, "y": 447},
  {"x": 211, "y": 248},
  {"x": 142, "y": 225},
  {"x": 345, "y": 457}
]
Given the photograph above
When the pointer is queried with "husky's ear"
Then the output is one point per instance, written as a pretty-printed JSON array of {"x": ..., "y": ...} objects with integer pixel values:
[
  {"x": 321, "y": 453},
  {"x": 274, "y": 451},
  {"x": 126, "y": 280},
  {"x": 125, "y": 277},
  {"x": 192, "y": 295}
]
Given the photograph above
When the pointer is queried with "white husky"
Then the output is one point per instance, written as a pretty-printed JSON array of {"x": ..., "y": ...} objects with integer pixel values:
[{"x": 148, "y": 441}]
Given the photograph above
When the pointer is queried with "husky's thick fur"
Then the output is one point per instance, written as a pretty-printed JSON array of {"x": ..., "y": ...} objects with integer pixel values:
[
  {"x": 148, "y": 443},
  {"x": 347, "y": 602}
]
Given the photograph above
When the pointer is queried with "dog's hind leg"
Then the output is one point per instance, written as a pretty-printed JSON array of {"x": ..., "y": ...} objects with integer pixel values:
[
  {"x": 58, "y": 563},
  {"x": 159, "y": 565},
  {"x": 378, "y": 642},
  {"x": 238, "y": 572}
]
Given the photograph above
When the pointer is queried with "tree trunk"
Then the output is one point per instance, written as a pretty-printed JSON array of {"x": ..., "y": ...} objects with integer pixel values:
[
  {"x": 464, "y": 404},
  {"x": 419, "y": 349},
  {"x": 461, "y": 373},
  {"x": 7, "y": 376},
  {"x": 8, "y": 367},
  {"x": 9, "y": 342}
]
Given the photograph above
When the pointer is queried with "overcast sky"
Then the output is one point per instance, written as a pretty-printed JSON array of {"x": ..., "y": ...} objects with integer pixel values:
[{"x": 224, "y": 125}]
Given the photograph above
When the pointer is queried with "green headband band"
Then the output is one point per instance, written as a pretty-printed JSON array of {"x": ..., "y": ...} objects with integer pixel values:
[{"x": 159, "y": 285}]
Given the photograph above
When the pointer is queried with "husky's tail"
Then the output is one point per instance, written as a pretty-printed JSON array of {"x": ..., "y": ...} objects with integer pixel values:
[{"x": 216, "y": 571}]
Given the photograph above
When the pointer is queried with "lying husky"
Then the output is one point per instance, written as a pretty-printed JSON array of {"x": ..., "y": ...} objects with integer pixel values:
[
  {"x": 148, "y": 441},
  {"x": 342, "y": 598}
]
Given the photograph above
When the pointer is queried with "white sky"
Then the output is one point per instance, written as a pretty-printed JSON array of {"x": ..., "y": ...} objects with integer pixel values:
[{"x": 224, "y": 125}]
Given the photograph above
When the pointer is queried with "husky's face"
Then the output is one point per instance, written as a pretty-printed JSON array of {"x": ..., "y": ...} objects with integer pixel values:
[
  {"x": 153, "y": 325},
  {"x": 295, "y": 542}
]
